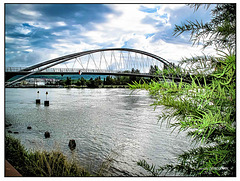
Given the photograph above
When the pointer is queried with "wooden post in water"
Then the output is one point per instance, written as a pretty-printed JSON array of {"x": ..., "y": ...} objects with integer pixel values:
[
  {"x": 46, "y": 103},
  {"x": 38, "y": 99}
]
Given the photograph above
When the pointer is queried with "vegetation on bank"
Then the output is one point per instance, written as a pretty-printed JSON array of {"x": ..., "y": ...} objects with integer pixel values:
[
  {"x": 205, "y": 109},
  {"x": 40, "y": 163},
  {"x": 122, "y": 81},
  {"x": 208, "y": 113},
  {"x": 118, "y": 81},
  {"x": 108, "y": 81}
]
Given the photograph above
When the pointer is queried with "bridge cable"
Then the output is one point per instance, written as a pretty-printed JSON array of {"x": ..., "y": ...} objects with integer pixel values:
[{"x": 80, "y": 62}]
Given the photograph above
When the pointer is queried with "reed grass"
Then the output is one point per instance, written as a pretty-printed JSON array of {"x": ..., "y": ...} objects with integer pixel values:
[{"x": 40, "y": 163}]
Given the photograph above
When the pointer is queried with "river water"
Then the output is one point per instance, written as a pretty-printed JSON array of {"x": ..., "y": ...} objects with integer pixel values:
[{"x": 107, "y": 124}]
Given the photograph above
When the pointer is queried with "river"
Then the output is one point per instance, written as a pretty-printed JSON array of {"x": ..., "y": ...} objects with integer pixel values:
[{"x": 113, "y": 124}]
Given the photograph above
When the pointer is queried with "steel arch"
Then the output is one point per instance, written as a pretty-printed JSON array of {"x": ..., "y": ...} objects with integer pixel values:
[
  {"x": 56, "y": 61},
  {"x": 65, "y": 58}
]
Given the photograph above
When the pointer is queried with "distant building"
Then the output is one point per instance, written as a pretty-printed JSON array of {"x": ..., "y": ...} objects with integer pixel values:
[
  {"x": 50, "y": 81},
  {"x": 23, "y": 82},
  {"x": 39, "y": 81},
  {"x": 35, "y": 81}
]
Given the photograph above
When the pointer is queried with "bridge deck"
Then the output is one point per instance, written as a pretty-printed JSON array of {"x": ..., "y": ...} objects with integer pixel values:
[
  {"x": 81, "y": 73},
  {"x": 11, "y": 71}
]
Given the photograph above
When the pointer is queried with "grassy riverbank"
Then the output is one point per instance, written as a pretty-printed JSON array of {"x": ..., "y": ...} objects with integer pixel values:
[{"x": 40, "y": 163}]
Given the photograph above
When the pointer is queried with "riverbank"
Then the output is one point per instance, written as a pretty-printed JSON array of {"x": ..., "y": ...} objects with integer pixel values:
[
  {"x": 71, "y": 86},
  {"x": 35, "y": 164}
]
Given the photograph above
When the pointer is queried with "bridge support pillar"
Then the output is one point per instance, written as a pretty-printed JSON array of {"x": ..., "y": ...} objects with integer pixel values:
[
  {"x": 46, "y": 103},
  {"x": 38, "y": 101}
]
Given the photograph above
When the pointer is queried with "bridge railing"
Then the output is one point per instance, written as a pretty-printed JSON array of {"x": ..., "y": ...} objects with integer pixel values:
[
  {"x": 14, "y": 69},
  {"x": 65, "y": 70},
  {"x": 73, "y": 70},
  {"x": 77, "y": 70},
  {"x": 61, "y": 70}
]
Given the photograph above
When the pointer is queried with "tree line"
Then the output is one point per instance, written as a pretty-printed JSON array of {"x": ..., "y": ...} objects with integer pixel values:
[
  {"x": 99, "y": 82},
  {"x": 109, "y": 80}
]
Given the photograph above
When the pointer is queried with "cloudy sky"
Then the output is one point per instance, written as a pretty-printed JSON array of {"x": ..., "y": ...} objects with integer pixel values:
[{"x": 39, "y": 32}]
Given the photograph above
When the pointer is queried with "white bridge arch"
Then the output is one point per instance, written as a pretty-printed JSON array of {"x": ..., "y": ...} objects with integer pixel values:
[{"x": 112, "y": 61}]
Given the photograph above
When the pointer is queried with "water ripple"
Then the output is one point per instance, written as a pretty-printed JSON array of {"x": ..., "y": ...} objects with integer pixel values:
[{"x": 107, "y": 124}]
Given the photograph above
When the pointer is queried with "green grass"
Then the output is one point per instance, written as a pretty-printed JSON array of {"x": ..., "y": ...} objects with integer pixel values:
[{"x": 40, "y": 163}]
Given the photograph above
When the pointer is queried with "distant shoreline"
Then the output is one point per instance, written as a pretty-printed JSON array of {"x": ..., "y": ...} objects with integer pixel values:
[{"x": 77, "y": 87}]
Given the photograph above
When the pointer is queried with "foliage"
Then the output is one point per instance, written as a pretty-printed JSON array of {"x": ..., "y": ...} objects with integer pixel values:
[
  {"x": 220, "y": 31},
  {"x": 153, "y": 70},
  {"x": 16, "y": 154},
  {"x": 208, "y": 113},
  {"x": 40, "y": 163},
  {"x": 206, "y": 107},
  {"x": 68, "y": 81},
  {"x": 204, "y": 64},
  {"x": 94, "y": 83},
  {"x": 81, "y": 82},
  {"x": 109, "y": 80},
  {"x": 175, "y": 71}
]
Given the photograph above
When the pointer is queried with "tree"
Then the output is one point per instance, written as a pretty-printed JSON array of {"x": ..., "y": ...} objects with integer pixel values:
[
  {"x": 153, "y": 69},
  {"x": 109, "y": 80},
  {"x": 68, "y": 81},
  {"x": 94, "y": 83},
  {"x": 137, "y": 71},
  {"x": 98, "y": 81},
  {"x": 220, "y": 31},
  {"x": 83, "y": 81},
  {"x": 90, "y": 83},
  {"x": 78, "y": 83},
  {"x": 206, "y": 111}
]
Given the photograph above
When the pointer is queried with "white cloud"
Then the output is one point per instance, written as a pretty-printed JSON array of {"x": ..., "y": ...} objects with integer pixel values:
[
  {"x": 23, "y": 30},
  {"x": 64, "y": 47},
  {"x": 128, "y": 27},
  {"x": 60, "y": 23},
  {"x": 56, "y": 33},
  {"x": 128, "y": 21},
  {"x": 29, "y": 50},
  {"x": 39, "y": 25},
  {"x": 29, "y": 13},
  {"x": 46, "y": 25},
  {"x": 17, "y": 41},
  {"x": 9, "y": 39},
  {"x": 169, "y": 51}
]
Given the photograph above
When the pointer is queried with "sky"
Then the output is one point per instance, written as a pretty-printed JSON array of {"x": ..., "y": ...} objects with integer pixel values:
[{"x": 38, "y": 32}]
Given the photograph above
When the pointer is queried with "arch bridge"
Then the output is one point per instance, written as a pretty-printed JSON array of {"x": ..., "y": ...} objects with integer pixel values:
[{"x": 111, "y": 61}]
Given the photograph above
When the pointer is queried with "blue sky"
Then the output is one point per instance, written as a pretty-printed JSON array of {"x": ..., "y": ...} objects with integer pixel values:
[{"x": 39, "y": 32}]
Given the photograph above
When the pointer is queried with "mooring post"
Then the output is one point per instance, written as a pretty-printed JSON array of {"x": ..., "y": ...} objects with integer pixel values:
[
  {"x": 46, "y": 103},
  {"x": 38, "y": 100}
]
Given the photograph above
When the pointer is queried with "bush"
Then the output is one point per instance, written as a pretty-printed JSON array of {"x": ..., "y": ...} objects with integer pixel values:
[{"x": 208, "y": 113}]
